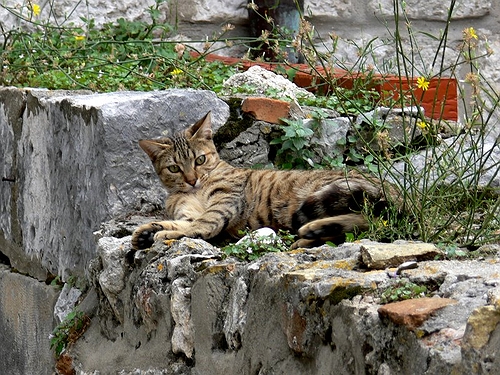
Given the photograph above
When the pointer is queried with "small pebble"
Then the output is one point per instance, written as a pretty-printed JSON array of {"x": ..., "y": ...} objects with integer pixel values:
[{"x": 406, "y": 266}]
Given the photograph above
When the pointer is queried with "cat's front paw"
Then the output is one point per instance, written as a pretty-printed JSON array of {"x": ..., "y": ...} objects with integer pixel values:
[
  {"x": 144, "y": 236},
  {"x": 302, "y": 243},
  {"x": 168, "y": 235}
]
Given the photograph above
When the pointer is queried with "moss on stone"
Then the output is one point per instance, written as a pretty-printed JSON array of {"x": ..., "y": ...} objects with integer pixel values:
[{"x": 237, "y": 123}]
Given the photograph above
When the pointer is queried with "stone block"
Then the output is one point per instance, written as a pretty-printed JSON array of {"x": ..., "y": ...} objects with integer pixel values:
[
  {"x": 212, "y": 11},
  {"x": 330, "y": 9},
  {"x": 77, "y": 164},
  {"x": 434, "y": 10},
  {"x": 26, "y": 321},
  {"x": 380, "y": 256}
]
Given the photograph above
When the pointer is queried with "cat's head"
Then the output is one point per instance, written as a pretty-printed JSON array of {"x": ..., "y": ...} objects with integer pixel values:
[{"x": 182, "y": 160}]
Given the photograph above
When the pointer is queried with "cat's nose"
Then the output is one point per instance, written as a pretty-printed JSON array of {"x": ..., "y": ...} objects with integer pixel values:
[
  {"x": 191, "y": 180},
  {"x": 192, "y": 183},
  {"x": 190, "y": 176}
]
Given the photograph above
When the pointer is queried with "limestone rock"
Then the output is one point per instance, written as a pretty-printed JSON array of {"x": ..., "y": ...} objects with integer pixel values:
[
  {"x": 381, "y": 256},
  {"x": 250, "y": 147},
  {"x": 180, "y": 305},
  {"x": 234, "y": 325},
  {"x": 482, "y": 322},
  {"x": 329, "y": 134},
  {"x": 26, "y": 321},
  {"x": 262, "y": 81},
  {"x": 112, "y": 278},
  {"x": 66, "y": 301}
]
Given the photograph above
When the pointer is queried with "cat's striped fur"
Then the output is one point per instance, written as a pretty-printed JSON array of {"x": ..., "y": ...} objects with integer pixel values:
[{"x": 208, "y": 197}]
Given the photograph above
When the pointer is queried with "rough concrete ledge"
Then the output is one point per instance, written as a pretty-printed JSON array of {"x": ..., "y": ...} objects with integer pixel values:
[{"x": 180, "y": 308}]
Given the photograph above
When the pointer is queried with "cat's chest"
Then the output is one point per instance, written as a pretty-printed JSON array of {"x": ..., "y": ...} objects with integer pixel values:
[{"x": 186, "y": 205}]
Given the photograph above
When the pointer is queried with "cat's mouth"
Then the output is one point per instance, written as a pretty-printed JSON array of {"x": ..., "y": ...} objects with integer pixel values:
[{"x": 188, "y": 188}]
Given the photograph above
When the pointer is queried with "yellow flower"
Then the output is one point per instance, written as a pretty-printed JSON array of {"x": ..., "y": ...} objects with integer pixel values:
[
  {"x": 176, "y": 71},
  {"x": 79, "y": 37},
  {"x": 35, "y": 8},
  {"x": 422, "y": 83},
  {"x": 421, "y": 124},
  {"x": 470, "y": 33}
]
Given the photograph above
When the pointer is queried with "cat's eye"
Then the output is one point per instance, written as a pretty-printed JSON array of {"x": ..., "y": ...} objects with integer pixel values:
[
  {"x": 200, "y": 160},
  {"x": 174, "y": 168}
]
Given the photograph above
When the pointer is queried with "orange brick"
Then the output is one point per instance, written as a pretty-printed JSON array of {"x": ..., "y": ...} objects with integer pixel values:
[
  {"x": 265, "y": 109},
  {"x": 413, "y": 312}
]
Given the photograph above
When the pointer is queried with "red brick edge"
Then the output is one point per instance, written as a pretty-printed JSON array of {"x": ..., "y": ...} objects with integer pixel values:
[{"x": 440, "y": 100}]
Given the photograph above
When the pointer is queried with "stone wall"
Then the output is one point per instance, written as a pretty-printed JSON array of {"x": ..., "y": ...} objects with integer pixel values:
[
  {"x": 177, "y": 308},
  {"x": 70, "y": 161},
  {"x": 26, "y": 321},
  {"x": 73, "y": 176}
]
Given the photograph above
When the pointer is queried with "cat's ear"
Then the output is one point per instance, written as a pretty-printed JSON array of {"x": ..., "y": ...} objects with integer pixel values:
[
  {"x": 202, "y": 128},
  {"x": 151, "y": 147}
]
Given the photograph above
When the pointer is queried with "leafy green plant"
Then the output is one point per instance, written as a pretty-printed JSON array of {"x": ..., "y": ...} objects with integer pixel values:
[
  {"x": 452, "y": 251},
  {"x": 294, "y": 151},
  {"x": 68, "y": 331},
  {"x": 403, "y": 290},
  {"x": 253, "y": 245},
  {"x": 300, "y": 144}
]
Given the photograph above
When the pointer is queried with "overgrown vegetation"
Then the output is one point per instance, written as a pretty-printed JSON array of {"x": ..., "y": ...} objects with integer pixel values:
[
  {"x": 121, "y": 55},
  {"x": 68, "y": 331},
  {"x": 446, "y": 185}
]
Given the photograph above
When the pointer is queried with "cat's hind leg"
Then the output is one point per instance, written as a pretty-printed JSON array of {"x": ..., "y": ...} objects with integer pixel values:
[
  {"x": 332, "y": 229},
  {"x": 145, "y": 235}
]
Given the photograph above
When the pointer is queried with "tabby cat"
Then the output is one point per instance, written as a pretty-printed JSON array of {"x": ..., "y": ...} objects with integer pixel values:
[{"x": 208, "y": 197}]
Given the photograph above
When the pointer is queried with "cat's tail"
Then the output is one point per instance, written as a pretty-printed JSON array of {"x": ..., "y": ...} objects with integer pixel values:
[{"x": 338, "y": 208}]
